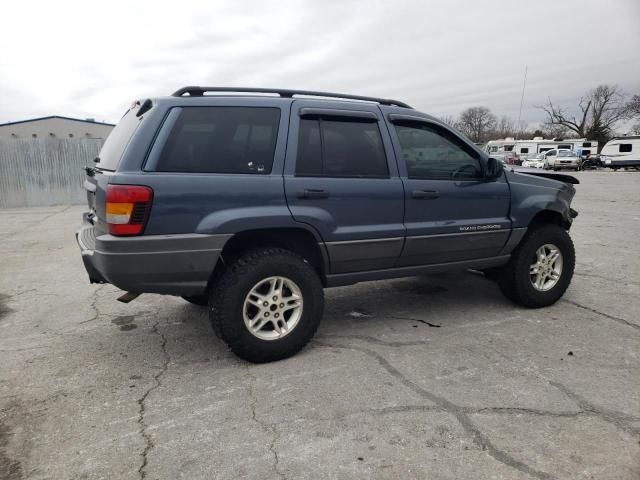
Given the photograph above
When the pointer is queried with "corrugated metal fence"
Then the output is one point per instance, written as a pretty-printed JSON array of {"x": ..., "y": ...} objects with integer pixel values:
[{"x": 44, "y": 172}]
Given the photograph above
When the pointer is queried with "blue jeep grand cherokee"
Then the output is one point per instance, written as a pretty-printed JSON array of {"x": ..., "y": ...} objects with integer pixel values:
[{"x": 251, "y": 201}]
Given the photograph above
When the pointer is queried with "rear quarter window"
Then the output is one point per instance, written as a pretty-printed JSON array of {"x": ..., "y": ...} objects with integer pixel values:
[
  {"x": 221, "y": 140},
  {"x": 117, "y": 141}
]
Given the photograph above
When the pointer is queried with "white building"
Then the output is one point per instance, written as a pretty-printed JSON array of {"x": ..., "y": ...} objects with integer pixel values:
[{"x": 55, "y": 126}]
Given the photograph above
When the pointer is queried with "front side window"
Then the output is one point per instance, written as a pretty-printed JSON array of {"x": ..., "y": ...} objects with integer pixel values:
[
  {"x": 433, "y": 152},
  {"x": 624, "y": 148},
  {"x": 221, "y": 140},
  {"x": 336, "y": 147}
]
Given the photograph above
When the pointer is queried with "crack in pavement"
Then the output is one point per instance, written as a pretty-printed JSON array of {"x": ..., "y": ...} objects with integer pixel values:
[
  {"x": 94, "y": 305},
  {"x": 270, "y": 428},
  {"x": 142, "y": 430},
  {"x": 478, "y": 437},
  {"x": 622, "y": 321},
  {"x": 618, "y": 419},
  {"x": 410, "y": 319}
]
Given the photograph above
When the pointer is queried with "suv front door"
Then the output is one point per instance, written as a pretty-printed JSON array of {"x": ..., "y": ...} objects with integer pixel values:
[
  {"x": 452, "y": 212},
  {"x": 341, "y": 178}
]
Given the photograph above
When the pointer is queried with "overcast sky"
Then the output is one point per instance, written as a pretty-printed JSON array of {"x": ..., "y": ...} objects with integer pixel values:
[{"x": 91, "y": 59}]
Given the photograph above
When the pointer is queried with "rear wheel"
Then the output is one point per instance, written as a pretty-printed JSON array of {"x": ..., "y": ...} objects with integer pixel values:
[
  {"x": 540, "y": 269},
  {"x": 266, "y": 305}
]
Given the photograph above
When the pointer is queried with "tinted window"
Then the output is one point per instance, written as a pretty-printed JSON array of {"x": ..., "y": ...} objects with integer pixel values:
[
  {"x": 117, "y": 141},
  {"x": 508, "y": 148},
  {"x": 433, "y": 152},
  {"x": 524, "y": 150},
  {"x": 586, "y": 144},
  {"x": 624, "y": 147},
  {"x": 340, "y": 148},
  {"x": 564, "y": 147},
  {"x": 221, "y": 140}
]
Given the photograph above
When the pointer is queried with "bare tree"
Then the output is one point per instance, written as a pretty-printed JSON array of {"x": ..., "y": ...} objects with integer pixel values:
[
  {"x": 477, "y": 123},
  {"x": 549, "y": 130},
  {"x": 633, "y": 107},
  {"x": 505, "y": 127},
  {"x": 599, "y": 111},
  {"x": 448, "y": 120}
]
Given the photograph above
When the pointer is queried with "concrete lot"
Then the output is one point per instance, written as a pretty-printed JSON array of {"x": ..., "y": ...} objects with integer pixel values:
[{"x": 435, "y": 377}]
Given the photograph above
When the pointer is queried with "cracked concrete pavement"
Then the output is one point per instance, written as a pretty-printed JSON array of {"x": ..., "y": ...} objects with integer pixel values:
[{"x": 428, "y": 377}]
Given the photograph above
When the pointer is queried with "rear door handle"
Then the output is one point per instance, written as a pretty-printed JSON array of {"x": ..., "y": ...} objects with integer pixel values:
[
  {"x": 313, "y": 193},
  {"x": 427, "y": 194}
]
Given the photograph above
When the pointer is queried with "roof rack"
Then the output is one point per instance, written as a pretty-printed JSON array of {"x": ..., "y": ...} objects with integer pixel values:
[{"x": 200, "y": 91}]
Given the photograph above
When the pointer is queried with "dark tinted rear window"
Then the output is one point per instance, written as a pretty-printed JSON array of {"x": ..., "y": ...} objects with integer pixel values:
[
  {"x": 329, "y": 147},
  {"x": 221, "y": 140},
  {"x": 117, "y": 141}
]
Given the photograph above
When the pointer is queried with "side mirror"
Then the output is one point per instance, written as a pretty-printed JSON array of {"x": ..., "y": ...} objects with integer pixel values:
[{"x": 494, "y": 169}]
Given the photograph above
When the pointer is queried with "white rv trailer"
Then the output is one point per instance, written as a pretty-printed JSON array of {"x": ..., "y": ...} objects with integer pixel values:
[
  {"x": 621, "y": 152},
  {"x": 524, "y": 148}
]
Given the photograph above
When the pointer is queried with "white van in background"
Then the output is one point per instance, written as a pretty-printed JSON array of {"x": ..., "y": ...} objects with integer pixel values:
[{"x": 621, "y": 152}]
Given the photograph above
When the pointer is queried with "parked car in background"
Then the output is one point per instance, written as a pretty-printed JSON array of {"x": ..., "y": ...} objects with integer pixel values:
[
  {"x": 535, "y": 161},
  {"x": 557, "y": 159},
  {"x": 621, "y": 152}
]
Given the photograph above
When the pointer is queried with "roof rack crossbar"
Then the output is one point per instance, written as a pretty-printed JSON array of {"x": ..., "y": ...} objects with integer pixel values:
[{"x": 200, "y": 91}]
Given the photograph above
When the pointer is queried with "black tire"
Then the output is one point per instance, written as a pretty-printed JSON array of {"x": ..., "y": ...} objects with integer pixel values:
[
  {"x": 228, "y": 293},
  {"x": 514, "y": 279},
  {"x": 200, "y": 300}
]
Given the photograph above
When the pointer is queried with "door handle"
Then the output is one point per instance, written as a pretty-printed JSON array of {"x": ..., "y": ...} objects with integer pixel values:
[
  {"x": 313, "y": 193},
  {"x": 427, "y": 194}
]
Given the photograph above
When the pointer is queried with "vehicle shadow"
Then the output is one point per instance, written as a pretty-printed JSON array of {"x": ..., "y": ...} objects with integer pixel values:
[{"x": 435, "y": 301}]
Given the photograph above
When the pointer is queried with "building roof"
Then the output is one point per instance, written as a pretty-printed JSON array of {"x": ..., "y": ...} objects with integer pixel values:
[{"x": 60, "y": 117}]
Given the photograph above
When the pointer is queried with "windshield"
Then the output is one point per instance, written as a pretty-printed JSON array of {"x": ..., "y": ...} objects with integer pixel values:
[
  {"x": 566, "y": 153},
  {"x": 117, "y": 141}
]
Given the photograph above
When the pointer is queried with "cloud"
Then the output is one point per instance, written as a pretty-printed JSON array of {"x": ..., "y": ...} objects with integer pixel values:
[{"x": 80, "y": 59}]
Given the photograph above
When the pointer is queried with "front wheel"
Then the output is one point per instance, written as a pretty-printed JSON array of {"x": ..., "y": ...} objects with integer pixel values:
[
  {"x": 266, "y": 305},
  {"x": 540, "y": 269}
]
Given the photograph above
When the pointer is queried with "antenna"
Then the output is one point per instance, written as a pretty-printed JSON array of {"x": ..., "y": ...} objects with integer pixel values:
[{"x": 524, "y": 84}]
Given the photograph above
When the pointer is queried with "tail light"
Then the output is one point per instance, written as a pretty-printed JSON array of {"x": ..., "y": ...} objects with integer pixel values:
[{"x": 128, "y": 208}]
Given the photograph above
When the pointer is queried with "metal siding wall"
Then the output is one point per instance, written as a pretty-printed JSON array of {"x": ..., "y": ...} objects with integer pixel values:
[{"x": 44, "y": 172}]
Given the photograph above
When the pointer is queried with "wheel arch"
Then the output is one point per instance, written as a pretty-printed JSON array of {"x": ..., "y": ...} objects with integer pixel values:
[{"x": 298, "y": 240}]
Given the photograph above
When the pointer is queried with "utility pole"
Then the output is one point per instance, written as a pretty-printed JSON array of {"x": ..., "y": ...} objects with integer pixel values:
[{"x": 524, "y": 84}]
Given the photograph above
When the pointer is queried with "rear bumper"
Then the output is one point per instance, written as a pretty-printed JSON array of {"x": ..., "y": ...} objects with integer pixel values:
[{"x": 169, "y": 264}]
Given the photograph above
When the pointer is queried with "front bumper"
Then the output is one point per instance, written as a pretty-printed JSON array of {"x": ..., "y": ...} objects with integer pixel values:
[{"x": 169, "y": 264}]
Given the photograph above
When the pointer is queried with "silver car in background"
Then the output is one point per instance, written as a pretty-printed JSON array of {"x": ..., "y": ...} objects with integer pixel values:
[{"x": 557, "y": 159}]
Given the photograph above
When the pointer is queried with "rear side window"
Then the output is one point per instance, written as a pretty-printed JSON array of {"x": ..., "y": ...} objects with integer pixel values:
[
  {"x": 624, "y": 147},
  {"x": 117, "y": 141},
  {"x": 336, "y": 147},
  {"x": 221, "y": 140}
]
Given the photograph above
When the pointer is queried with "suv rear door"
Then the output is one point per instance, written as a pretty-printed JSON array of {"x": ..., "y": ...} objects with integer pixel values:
[
  {"x": 341, "y": 178},
  {"x": 452, "y": 212}
]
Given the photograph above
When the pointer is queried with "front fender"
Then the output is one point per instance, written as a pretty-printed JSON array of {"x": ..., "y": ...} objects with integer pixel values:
[{"x": 531, "y": 195}]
